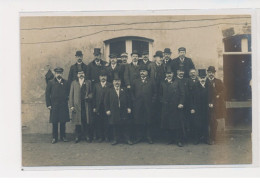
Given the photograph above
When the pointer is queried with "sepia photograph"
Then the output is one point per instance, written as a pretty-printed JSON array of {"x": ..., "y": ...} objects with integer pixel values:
[{"x": 136, "y": 90}]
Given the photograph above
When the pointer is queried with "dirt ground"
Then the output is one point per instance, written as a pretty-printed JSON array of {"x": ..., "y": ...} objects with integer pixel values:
[{"x": 230, "y": 148}]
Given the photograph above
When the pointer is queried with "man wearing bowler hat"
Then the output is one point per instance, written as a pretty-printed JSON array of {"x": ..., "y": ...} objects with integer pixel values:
[
  {"x": 143, "y": 95},
  {"x": 56, "y": 96},
  {"x": 218, "y": 111},
  {"x": 145, "y": 58},
  {"x": 132, "y": 70},
  {"x": 95, "y": 66},
  {"x": 183, "y": 61},
  {"x": 78, "y": 66}
]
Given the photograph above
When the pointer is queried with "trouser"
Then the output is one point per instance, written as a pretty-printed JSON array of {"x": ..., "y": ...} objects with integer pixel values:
[
  {"x": 101, "y": 126},
  {"x": 55, "y": 130},
  {"x": 83, "y": 131},
  {"x": 122, "y": 130},
  {"x": 143, "y": 131},
  {"x": 212, "y": 129},
  {"x": 175, "y": 135}
]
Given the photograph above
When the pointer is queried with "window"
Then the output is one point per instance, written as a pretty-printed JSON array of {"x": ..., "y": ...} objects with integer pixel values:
[
  {"x": 117, "y": 47},
  {"x": 140, "y": 46}
]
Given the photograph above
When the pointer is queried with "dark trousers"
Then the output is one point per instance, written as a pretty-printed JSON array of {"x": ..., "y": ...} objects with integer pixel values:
[
  {"x": 101, "y": 126},
  {"x": 83, "y": 131},
  {"x": 212, "y": 128},
  {"x": 175, "y": 135},
  {"x": 122, "y": 130},
  {"x": 55, "y": 130},
  {"x": 143, "y": 131}
]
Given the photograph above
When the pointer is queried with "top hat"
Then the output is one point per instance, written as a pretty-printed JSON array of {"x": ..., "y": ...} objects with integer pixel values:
[
  {"x": 167, "y": 50},
  {"x": 79, "y": 53},
  {"x": 143, "y": 67},
  {"x": 58, "y": 69},
  {"x": 113, "y": 55},
  {"x": 202, "y": 72},
  {"x": 182, "y": 49},
  {"x": 97, "y": 51},
  {"x": 124, "y": 54},
  {"x": 169, "y": 69},
  {"x": 103, "y": 73},
  {"x": 116, "y": 76},
  {"x": 159, "y": 54},
  {"x": 134, "y": 52},
  {"x": 211, "y": 69}
]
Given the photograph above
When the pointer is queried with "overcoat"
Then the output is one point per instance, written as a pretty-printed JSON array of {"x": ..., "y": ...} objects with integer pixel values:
[
  {"x": 99, "y": 93},
  {"x": 75, "y": 101},
  {"x": 111, "y": 71},
  {"x": 93, "y": 70},
  {"x": 171, "y": 95},
  {"x": 143, "y": 95},
  {"x": 218, "y": 89},
  {"x": 187, "y": 64},
  {"x": 131, "y": 73},
  {"x": 56, "y": 96},
  {"x": 118, "y": 105},
  {"x": 73, "y": 73},
  {"x": 157, "y": 73}
]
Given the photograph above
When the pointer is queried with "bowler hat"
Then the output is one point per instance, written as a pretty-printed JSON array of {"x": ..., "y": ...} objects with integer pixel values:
[
  {"x": 113, "y": 55},
  {"x": 143, "y": 67},
  {"x": 97, "y": 51},
  {"x": 103, "y": 73},
  {"x": 134, "y": 52},
  {"x": 202, "y": 72},
  {"x": 116, "y": 76},
  {"x": 182, "y": 49},
  {"x": 211, "y": 69},
  {"x": 79, "y": 53},
  {"x": 169, "y": 69},
  {"x": 158, "y": 54},
  {"x": 167, "y": 50},
  {"x": 124, "y": 54},
  {"x": 58, "y": 69}
]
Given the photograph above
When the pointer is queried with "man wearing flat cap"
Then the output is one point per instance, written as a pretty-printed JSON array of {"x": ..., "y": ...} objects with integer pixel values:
[
  {"x": 124, "y": 59},
  {"x": 132, "y": 70},
  {"x": 183, "y": 61},
  {"x": 56, "y": 95},
  {"x": 143, "y": 95},
  {"x": 79, "y": 103},
  {"x": 218, "y": 112},
  {"x": 78, "y": 66},
  {"x": 95, "y": 66}
]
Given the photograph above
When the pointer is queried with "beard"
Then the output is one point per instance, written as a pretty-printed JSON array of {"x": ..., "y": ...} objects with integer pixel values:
[{"x": 59, "y": 77}]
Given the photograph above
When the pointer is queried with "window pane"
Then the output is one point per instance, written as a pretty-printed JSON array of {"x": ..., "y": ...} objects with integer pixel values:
[
  {"x": 117, "y": 47},
  {"x": 140, "y": 46},
  {"x": 233, "y": 44}
]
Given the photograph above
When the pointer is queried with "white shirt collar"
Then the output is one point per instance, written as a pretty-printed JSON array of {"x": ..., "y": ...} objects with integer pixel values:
[
  {"x": 103, "y": 83},
  {"x": 81, "y": 81},
  {"x": 59, "y": 80}
]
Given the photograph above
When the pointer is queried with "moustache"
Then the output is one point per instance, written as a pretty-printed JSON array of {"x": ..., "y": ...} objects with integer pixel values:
[{"x": 59, "y": 77}]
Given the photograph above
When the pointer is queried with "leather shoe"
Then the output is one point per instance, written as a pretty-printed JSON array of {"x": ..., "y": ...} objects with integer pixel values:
[
  {"x": 114, "y": 142},
  {"x": 54, "y": 141},
  {"x": 77, "y": 140},
  {"x": 64, "y": 139},
  {"x": 130, "y": 142},
  {"x": 180, "y": 144}
]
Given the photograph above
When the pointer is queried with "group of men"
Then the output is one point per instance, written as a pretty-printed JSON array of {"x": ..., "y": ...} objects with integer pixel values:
[{"x": 111, "y": 100}]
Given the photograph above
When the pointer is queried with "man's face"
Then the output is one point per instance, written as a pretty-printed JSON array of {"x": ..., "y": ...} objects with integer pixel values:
[
  {"x": 134, "y": 57},
  {"x": 180, "y": 73},
  {"x": 79, "y": 59},
  {"x": 193, "y": 74},
  {"x": 124, "y": 59},
  {"x": 58, "y": 75},
  {"x": 143, "y": 73},
  {"x": 158, "y": 59},
  {"x": 81, "y": 75},
  {"x": 211, "y": 75},
  {"x": 117, "y": 83},
  {"x": 97, "y": 57},
  {"x": 202, "y": 79},
  {"x": 167, "y": 56},
  {"x": 103, "y": 78},
  {"x": 113, "y": 60},
  {"x": 182, "y": 54},
  {"x": 145, "y": 57},
  {"x": 169, "y": 76}
]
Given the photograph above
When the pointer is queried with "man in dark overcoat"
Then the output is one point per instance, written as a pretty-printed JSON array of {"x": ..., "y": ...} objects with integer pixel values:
[
  {"x": 113, "y": 67},
  {"x": 183, "y": 61},
  {"x": 118, "y": 108},
  {"x": 80, "y": 105},
  {"x": 199, "y": 108},
  {"x": 143, "y": 95},
  {"x": 56, "y": 95},
  {"x": 219, "y": 108},
  {"x": 172, "y": 96},
  {"x": 101, "y": 124},
  {"x": 167, "y": 61},
  {"x": 95, "y": 66},
  {"x": 78, "y": 66},
  {"x": 132, "y": 70}
]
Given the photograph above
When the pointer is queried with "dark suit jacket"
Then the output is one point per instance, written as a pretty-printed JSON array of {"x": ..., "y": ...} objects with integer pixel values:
[
  {"x": 111, "y": 71},
  {"x": 74, "y": 72},
  {"x": 131, "y": 73},
  {"x": 94, "y": 70},
  {"x": 187, "y": 64}
]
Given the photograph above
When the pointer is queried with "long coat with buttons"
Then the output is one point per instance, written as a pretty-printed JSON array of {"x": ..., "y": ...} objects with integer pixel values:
[
  {"x": 56, "y": 96},
  {"x": 75, "y": 101},
  {"x": 172, "y": 94},
  {"x": 143, "y": 95},
  {"x": 118, "y": 105}
]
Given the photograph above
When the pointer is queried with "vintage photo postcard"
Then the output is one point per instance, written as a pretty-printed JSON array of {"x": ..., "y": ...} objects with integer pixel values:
[{"x": 136, "y": 90}]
